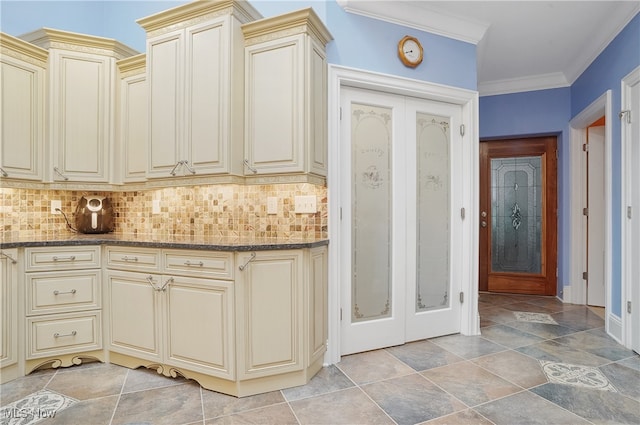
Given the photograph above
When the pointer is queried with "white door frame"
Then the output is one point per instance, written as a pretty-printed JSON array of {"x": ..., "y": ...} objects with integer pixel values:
[
  {"x": 342, "y": 76},
  {"x": 629, "y": 80},
  {"x": 576, "y": 293}
]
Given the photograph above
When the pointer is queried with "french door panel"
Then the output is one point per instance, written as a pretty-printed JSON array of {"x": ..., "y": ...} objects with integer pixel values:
[
  {"x": 518, "y": 216},
  {"x": 397, "y": 278}
]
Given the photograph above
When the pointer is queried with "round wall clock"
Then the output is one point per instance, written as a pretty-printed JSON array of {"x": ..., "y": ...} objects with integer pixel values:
[{"x": 410, "y": 51}]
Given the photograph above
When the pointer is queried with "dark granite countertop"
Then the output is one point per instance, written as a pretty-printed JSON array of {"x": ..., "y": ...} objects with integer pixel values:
[{"x": 163, "y": 241}]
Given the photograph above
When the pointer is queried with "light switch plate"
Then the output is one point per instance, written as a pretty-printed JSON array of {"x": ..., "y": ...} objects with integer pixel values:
[
  {"x": 272, "y": 205},
  {"x": 305, "y": 204}
]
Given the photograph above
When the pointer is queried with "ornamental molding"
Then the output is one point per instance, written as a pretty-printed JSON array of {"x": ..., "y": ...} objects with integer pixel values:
[
  {"x": 196, "y": 12},
  {"x": 297, "y": 22},
  {"x": 48, "y": 38},
  {"x": 25, "y": 51},
  {"x": 133, "y": 65}
]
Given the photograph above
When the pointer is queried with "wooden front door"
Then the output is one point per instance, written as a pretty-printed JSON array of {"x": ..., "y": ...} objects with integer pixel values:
[{"x": 518, "y": 216}]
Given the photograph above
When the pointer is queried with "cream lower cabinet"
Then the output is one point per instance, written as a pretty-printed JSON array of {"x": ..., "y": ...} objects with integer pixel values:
[
  {"x": 172, "y": 321},
  {"x": 240, "y": 324},
  {"x": 9, "y": 315},
  {"x": 63, "y": 306}
]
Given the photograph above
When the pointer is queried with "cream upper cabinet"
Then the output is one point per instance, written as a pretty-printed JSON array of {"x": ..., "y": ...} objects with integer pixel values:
[
  {"x": 286, "y": 94},
  {"x": 81, "y": 106},
  {"x": 133, "y": 121},
  {"x": 196, "y": 93},
  {"x": 22, "y": 102}
]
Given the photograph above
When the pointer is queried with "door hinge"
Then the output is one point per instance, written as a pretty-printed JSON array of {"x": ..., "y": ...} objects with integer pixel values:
[
  {"x": 461, "y": 297},
  {"x": 462, "y": 213},
  {"x": 340, "y": 213},
  {"x": 626, "y": 113},
  {"x": 585, "y": 212},
  {"x": 629, "y": 307},
  {"x": 462, "y": 129},
  {"x": 585, "y": 147},
  {"x": 340, "y": 113},
  {"x": 341, "y": 315},
  {"x": 557, "y": 154},
  {"x": 585, "y": 276},
  {"x": 629, "y": 212}
]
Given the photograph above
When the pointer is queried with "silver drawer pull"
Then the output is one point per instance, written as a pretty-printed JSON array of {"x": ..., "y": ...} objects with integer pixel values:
[
  {"x": 69, "y": 258},
  {"x": 57, "y": 335},
  {"x": 164, "y": 287},
  {"x": 125, "y": 258},
  {"x": 244, "y": 266},
  {"x": 153, "y": 285},
  {"x": 56, "y": 292},
  {"x": 189, "y": 263}
]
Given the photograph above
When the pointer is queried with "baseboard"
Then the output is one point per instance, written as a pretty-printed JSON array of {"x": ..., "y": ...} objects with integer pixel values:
[{"x": 614, "y": 327}]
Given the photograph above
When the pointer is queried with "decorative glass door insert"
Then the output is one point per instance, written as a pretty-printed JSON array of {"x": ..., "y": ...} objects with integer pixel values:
[
  {"x": 371, "y": 212},
  {"x": 516, "y": 215},
  {"x": 433, "y": 212}
]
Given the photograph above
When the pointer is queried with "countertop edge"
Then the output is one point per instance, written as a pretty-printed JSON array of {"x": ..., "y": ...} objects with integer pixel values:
[{"x": 236, "y": 246}]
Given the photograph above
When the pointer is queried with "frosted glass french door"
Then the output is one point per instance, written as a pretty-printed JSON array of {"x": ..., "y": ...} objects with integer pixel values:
[{"x": 400, "y": 237}]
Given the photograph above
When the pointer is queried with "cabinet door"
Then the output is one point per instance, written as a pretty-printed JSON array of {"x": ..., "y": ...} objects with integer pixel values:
[
  {"x": 134, "y": 321},
  {"x": 207, "y": 94},
  {"x": 165, "y": 65},
  {"x": 270, "y": 320},
  {"x": 81, "y": 114},
  {"x": 200, "y": 325},
  {"x": 8, "y": 309},
  {"x": 317, "y": 303},
  {"x": 134, "y": 128},
  {"x": 275, "y": 111},
  {"x": 21, "y": 119}
]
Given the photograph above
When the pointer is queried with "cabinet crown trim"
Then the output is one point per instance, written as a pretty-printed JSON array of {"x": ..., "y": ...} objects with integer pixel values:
[
  {"x": 48, "y": 38},
  {"x": 13, "y": 46},
  {"x": 303, "y": 20},
  {"x": 241, "y": 9},
  {"x": 132, "y": 63}
]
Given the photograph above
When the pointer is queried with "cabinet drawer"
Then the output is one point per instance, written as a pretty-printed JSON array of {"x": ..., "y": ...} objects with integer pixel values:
[
  {"x": 62, "y": 258},
  {"x": 63, "y": 334},
  {"x": 62, "y": 292},
  {"x": 218, "y": 265},
  {"x": 128, "y": 258}
]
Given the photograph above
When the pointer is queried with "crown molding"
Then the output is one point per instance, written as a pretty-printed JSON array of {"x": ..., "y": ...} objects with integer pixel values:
[
  {"x": 182, "y": 15},
  {"x": 14, "y": 46},
  {"x": 416, "y": 15},
  {"x": 296, "y": 22},
  {"x": 49, "y": 38},
  {"x": 132, "y": 64},
  {"x": 523, "y": 84}
]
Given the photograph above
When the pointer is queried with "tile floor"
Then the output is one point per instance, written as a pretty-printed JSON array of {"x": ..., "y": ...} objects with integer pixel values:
[{"x": 538, "y": 361}]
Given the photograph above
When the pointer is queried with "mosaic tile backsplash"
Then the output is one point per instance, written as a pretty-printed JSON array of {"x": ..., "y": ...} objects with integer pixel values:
[{"x": 211, "y": 211}]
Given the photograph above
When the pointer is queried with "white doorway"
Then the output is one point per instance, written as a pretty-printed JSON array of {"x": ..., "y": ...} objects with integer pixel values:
[
  {"x": 594, "y": 216},
  {"x": 466, "y": 205},
  {"x": 630, "y": 135},
  {"x": 576, "y": 293},
  {"x": 398, "y": 278}
]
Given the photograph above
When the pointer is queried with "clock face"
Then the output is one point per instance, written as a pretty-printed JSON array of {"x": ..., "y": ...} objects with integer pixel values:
[{"x": 410, "y": 51}]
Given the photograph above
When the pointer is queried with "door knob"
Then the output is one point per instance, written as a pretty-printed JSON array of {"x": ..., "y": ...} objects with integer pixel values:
[
  {"x": 483, "y": 223},
  {"x": 483, "y": 214}
]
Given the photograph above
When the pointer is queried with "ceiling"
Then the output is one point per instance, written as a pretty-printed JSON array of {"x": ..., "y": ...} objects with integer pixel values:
[{"x": 521, "y": 45}]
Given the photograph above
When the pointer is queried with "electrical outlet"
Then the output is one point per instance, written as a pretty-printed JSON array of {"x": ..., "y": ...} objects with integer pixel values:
[
  {"x": 55, "y": 206},
  {"x": 155, "y": 206},
  {"x": 272, "y": 205},
  {"x": 305, "y": 204}
]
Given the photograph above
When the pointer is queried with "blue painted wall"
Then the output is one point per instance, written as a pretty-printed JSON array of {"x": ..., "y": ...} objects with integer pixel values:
[
  {"x": 614, "y": 63},
  {"x": 536, "y": 113},
  {"x": 549, "y": 111},
  {"x": 359, "y": 42}
]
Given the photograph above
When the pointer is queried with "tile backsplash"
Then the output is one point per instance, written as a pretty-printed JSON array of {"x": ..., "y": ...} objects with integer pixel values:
[{"x": 225, "y": 210}]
